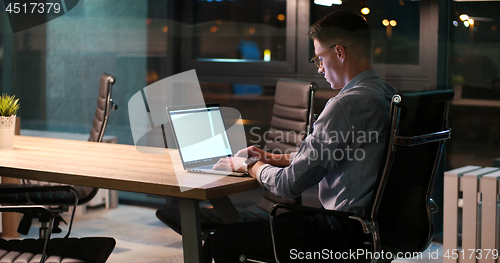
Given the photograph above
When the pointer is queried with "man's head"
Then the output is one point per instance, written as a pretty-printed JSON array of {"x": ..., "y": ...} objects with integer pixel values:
[{"x": 342, "y": 39}]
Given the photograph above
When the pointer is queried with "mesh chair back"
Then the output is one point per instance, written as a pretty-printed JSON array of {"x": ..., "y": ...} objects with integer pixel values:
[{"x": 402, "y": 211}]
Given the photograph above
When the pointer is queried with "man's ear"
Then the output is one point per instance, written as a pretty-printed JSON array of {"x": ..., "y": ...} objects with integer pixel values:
[{"x": 340, "y": 51}]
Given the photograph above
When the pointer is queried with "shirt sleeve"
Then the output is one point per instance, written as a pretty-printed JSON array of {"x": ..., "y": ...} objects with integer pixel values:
[
  {"x": 259, "y": 172},
  {"x": 315, "y": 158},
  {"x": 261, "y": 168}
]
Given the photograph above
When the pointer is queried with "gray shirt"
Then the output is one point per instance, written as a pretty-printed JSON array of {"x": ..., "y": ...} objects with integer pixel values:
[{"x": 345, "y": 150}]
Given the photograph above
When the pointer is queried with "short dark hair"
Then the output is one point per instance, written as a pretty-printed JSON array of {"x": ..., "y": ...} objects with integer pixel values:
[{"x": 346, "y": 26}]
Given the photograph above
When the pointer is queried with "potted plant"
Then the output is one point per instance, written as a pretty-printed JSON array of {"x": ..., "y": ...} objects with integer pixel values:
[{"x": 8, "y": 110}]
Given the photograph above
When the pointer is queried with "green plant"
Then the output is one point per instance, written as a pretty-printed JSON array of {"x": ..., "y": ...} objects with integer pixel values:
[{"x": 8, "y": 105}]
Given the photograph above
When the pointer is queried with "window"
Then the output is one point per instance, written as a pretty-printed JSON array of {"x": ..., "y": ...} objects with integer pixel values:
[
  {"x": 249, "y": 31},
  {"x": 238, "y": 36},
  {"x": 400, "y": 31},
  {"x": 474, "y": 70},
  {"x": 55, "y": 68},
  {"x": 394, "y": 25}
]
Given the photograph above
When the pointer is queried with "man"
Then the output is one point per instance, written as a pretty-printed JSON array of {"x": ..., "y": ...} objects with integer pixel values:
[{"x": 343, "y": 154}]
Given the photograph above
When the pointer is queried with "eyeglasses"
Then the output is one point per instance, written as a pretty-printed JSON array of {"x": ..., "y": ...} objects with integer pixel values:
[{"x": 318, "y": 62}]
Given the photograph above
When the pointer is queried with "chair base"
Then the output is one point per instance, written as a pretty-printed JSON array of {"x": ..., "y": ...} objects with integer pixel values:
[{"x": 171, "y": 217}]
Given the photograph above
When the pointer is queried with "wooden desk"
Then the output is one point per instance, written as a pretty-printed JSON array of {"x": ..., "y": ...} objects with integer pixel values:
[{"x": 122, "y": 167}]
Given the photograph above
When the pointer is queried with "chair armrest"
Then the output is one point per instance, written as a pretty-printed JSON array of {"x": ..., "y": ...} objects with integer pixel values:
[
  {"x": 421, "y": 139},
  {"x": 307, "y": 209},
  {"x": 39, "y": 189},
  {"x": 42, "y": 210},
  {"x": 40, "y": 207},
  {"x": 434, "y": 207},
  {"x": 367, "y": 226},
  {"x": 34, "y": 189}
]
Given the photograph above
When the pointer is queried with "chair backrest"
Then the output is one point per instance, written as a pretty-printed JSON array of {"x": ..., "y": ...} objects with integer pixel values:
[
  {"x": 104, "y": 106},
  {"x": 402, "y": 209},
  {"x": 292, "y": 117},
  {"x": 292, "y": 121}
]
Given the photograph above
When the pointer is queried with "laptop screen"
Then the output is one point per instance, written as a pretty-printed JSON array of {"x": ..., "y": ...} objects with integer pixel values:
[{"x": 200, "y": 134}]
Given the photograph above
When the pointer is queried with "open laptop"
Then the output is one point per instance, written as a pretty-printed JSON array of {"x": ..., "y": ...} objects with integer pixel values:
[{"x": 201, "y": 137}]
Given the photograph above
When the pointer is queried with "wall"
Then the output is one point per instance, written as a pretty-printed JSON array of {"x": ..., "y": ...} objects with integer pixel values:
[{"x": 93, "y": 38}]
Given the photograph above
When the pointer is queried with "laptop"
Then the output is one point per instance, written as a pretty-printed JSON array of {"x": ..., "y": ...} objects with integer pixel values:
[{"x": 201, "y": 137}]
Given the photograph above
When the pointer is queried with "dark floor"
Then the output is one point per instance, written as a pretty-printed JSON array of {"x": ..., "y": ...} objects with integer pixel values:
[{"x": 142, "y": 238}]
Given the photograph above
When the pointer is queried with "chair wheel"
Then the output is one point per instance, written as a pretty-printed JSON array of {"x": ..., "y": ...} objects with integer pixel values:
[
  {"x": 56, "y": 230},
  {"x": 242, "y": 258}
]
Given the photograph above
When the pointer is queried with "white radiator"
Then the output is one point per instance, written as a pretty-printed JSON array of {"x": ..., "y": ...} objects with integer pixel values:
[{"x": 471, "y": 195}]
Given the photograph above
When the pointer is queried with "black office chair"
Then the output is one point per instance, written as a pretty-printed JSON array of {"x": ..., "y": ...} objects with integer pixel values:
[
  {"x": 291, "y": 121},
  {"x": 59, "y": 201},
  {"x": 400, "y": 219},
  {"x": 44, "y": 249}
]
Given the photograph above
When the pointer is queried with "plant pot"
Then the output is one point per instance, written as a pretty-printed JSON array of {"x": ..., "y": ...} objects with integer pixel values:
[{"x": 7, "y": 126}]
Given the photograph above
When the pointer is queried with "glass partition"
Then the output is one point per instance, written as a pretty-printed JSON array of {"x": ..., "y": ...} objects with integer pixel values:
[
  {"x": 474, "y": 74},
  {"x": 401, "y": 32},
  {"x": 395, "y": 28},
  {"x": 54, "y": 68},
  {"x": 240, "y": 30},
  {"x": 239, "y": 36}
]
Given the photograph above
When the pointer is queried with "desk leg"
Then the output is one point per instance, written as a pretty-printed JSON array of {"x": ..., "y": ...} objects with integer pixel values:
[
  {"x": 191, "y": 230},
  {"x": 226, "y": 210},
  {"x": 10, "y": 220}
]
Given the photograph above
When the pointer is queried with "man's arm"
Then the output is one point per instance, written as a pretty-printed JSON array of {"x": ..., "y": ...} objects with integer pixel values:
[
  {"x": 280, "y": 160},
  {"x": 254, "y": 170},
  {"x": 265, "y": 158},
  {"x": 236, "y": 164}
]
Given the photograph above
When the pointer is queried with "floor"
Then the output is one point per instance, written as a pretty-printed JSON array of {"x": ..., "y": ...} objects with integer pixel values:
[{"x": 142, "y": 238}]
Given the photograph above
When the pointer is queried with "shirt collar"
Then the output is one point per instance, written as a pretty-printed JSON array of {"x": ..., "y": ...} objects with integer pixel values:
[{"x": 359, "y": 78}]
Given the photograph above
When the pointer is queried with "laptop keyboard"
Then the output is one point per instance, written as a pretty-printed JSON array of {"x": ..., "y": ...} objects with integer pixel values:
[
  {"x": 205, "y": 167},
  {"x": 209, "y": 169}
]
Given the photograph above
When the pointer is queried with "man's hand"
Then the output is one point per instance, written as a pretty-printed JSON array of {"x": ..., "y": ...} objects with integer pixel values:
[
  {"x": 276, "y": 159},
  {"x": 251, "y": 151},
  {"x": 234, "y": 164}
]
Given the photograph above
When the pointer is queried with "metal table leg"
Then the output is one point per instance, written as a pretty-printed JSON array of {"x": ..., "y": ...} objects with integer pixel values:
[{"x": 191, "y": 230}]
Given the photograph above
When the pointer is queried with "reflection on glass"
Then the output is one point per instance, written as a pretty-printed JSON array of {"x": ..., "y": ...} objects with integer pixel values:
[
  {"x": 254, "y": 102},
  {"x": 240, "y": 30},
  {"x": 55, "y": 68},
  {"x": 474, "y": 49},
  {"x": 395, "y": 28},
  {"x": 474, "y": 71}
]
